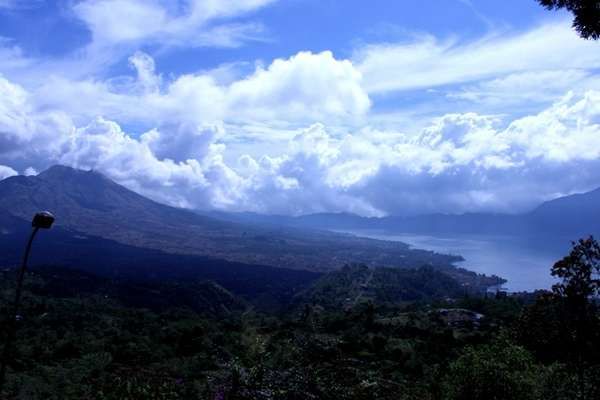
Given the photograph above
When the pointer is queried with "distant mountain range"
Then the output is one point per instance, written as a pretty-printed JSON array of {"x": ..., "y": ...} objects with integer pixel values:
[
  {"x": 575, "y": 216},
  {"x": 106, "y": 229}
]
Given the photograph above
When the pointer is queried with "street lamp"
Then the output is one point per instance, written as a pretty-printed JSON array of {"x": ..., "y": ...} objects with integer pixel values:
[{"x": 41, "y": 220}]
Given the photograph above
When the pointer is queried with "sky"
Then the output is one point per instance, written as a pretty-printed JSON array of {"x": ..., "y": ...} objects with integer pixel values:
[{"x": 303, "y": 106}]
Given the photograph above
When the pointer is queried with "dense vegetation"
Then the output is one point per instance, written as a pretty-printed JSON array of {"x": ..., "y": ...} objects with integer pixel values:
[{"x": 83, "y": 337}]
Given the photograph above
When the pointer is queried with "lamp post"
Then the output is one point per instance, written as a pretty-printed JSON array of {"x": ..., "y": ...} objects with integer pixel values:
[{"x": 41, "y": 220}]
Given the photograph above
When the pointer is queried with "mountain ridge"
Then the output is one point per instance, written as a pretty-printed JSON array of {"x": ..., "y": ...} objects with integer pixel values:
[
  {"x": 88, "y": 203},
  {"x": 575, "y": 215}
]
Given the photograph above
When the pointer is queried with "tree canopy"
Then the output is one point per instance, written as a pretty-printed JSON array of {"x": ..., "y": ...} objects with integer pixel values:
[{"x": 586, "y": 13}]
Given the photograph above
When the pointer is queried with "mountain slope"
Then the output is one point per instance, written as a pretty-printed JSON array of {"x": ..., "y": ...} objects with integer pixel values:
[
  {"x": 204, "y": 297},
  {"x": 88, "y": 203},
  {"x": 356, "y": 284},
  {"x": 578, "y": 213},
  {"x": 260, "y": 284}
]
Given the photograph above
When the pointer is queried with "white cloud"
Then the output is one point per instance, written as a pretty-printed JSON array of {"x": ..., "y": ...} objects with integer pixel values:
[
  {"x": 6, "y": 172},
  {"x": 147, "y": 79},
  {"x": 29, "y": 171},
  {"x": 428, "y": 62},
  {"x": 187, "y": 140},
  {"x": 115, "y": 21},
  {"x": 189, "y": 22},
  {"x": 567, "y": 131},
  {"x": 305, "y": 87},
  {"x": 26, "y": 133},
  {"x": 461, "y": 162},
  {"x": 184, "y": 141},
  {"x": 525, "y": 91},
  {"x": 102, "y": 145}
]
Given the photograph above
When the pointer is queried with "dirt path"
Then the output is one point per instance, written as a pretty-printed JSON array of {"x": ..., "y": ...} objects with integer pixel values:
[{"x": 365, "y": 284}]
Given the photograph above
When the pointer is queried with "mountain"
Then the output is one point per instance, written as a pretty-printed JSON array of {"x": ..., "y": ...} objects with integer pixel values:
[
  {"x": 264, "y": 286},
  {"x": 87, "y": 204},
  {"x": 575, "y": 216},
  {"x": 578, "y": 213}
]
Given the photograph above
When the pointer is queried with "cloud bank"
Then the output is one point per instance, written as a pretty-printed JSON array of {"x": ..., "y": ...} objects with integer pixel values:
[
  {"x": 461, "y": 162},
  {"x": 301, "y": 133}
]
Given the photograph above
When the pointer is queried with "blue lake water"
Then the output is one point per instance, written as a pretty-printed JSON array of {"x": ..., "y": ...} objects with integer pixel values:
[{"x": 524, "y": 261}]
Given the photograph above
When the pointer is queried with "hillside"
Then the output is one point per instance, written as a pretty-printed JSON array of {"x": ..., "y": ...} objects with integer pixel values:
[
  {"x": 90, "y": 204},
  {"x": 112, "y": 260},
  {"x": 84, "y": 337},
  {"x": 354, "y": 285},
  {"x": 203, "y": 297}
]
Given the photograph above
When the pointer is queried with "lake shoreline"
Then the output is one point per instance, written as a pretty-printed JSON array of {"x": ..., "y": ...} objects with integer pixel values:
[{"x": 523, "y": 261}]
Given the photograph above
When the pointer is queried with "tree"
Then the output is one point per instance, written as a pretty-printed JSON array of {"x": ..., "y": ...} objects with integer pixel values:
[
  {"x": 580, "y": 273},
  {"x": 501, "y": 371},
  {"x": 563, "y": 326},
  {"x": 586, "y": 13}
]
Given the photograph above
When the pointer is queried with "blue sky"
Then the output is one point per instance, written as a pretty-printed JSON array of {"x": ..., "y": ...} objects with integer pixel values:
[
  {"x": 49, "y": 28},
  {"x": 301, "y": 106}
]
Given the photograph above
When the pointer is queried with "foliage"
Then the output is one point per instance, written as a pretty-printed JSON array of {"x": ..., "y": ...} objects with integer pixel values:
[
  {"x": 355, "y": 284},
  {"x": 586, "y": 13},
  {"x": 563, "y": 327},
  {"x": 579, "y": 271},
  {"x": 401, "y": 335},
  {"x": 500, "y": 371},
  {"x": 96, "y": 343}
]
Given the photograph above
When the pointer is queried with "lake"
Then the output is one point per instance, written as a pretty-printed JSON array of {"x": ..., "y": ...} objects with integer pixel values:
[{"x": 524, "y": 262}]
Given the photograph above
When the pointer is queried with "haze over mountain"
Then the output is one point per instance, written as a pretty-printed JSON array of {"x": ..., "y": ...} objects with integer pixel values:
[{"x": 575, "y": 215}]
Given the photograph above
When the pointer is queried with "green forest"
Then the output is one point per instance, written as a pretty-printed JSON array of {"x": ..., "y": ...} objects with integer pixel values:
[{"x": 358, "y": 333}]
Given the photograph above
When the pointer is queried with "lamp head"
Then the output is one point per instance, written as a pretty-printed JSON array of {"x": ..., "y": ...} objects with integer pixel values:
[{"x": 43, "y": 220}]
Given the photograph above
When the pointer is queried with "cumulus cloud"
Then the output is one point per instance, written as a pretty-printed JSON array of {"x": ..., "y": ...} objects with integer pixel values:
[
  {"x": 567, "y": 131},
  {"x": 184, "y": 141},
  {"x": 471, "y": 163},
  {"x": 307, "y": 84},
  {"x": 304, "y": 87},
  {"x": 460, "y": 162},
  {"x": 203, "y": 139},
  {"x": 196, "y": 182},
  {"x": 202, "y": 181},
  {"x": 5, "y": 172},
  {"x": 23, "y": 128}
]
